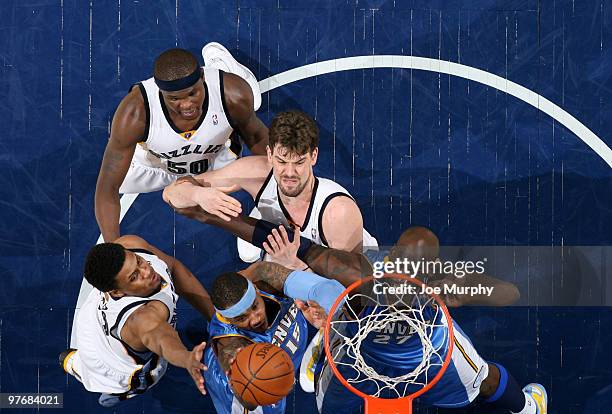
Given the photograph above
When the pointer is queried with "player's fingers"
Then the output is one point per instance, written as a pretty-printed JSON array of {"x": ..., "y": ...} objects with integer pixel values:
[
  {"x": 273, "y": 244},
  {"x": 277, "y": 237},
  {"x": 200, "y": 347},
  {"x": 296, "y": 235},
  {"x": 229, "y": 209},
  {"x": 284, "y": 235},
  {"x": 229, "y": 199},
  {"x": 220, "y": 214},
  {"x": 232, "y": 206},
  {"x": 267, "y": 248}
]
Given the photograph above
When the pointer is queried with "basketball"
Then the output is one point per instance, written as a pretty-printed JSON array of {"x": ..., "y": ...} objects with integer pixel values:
[{"x": 262, "y": 374}]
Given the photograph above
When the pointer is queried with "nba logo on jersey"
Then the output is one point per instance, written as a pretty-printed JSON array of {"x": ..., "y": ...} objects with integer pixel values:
[
  {"x": 187, "y": 134},
  {"x": 215, "y": 120},
  {"x": 313, "y": 234}
]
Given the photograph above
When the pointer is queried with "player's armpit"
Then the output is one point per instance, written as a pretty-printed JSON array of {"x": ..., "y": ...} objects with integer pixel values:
[{"x": 239, "y": 99}]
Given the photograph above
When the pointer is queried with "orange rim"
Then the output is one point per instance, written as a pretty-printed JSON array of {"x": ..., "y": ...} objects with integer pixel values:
[{"x": 371, "y": 400}]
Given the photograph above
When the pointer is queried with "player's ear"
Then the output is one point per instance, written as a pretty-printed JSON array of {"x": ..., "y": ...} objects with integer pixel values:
[
  {"x": 116, "y": 293},
  {"x": 314, "y": 154},
  {"x": 269, "y": 152}
]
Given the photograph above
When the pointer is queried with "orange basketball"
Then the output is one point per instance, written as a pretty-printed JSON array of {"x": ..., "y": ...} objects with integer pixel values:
[{"x": 262, "y": 374}]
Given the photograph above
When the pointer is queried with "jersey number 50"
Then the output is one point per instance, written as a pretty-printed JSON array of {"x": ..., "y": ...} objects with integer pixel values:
[{"x": 195, "y": 167}]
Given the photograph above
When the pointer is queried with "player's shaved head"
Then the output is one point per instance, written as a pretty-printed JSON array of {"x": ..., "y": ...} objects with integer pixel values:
[
  {"x": 103, "y": 263},
  {"x": 227, "y": 289},
  {"x": 417, "y": 242},
  {"x": 174, "y": 64}
]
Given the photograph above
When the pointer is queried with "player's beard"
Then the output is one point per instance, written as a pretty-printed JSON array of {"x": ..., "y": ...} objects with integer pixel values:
[{"x": 294, "y": 191}]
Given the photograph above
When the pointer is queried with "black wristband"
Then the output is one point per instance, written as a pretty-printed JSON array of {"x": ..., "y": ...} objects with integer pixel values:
[{"x": 264, "y": 228}]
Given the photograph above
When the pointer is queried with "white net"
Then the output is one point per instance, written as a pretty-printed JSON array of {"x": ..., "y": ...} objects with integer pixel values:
[{"x": 389, "y": 341}]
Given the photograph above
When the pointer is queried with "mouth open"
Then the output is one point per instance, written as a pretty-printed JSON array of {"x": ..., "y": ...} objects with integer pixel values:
[{"x": 190, "y": 113}]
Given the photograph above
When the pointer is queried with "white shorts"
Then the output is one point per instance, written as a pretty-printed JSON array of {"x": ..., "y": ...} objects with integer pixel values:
[{"x": 147, "y": 175}]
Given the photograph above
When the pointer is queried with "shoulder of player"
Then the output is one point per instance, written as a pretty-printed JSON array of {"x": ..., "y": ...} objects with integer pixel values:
[
  {"x": 130, "y": 241},
  {"x": 147, "y": 317},
  {"x": 342, "y": 224},
  {"x": 238, "y": 96},
  {"x": 341, "y": 210},
  {"x": 130, "y": 117}
]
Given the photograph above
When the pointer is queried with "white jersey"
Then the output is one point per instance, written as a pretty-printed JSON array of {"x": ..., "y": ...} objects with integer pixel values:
[
  {"x": 185, "y": 152},
  {"x": 268, "y": 206},
  {"x": 272, "y": 209},
  {"x": 103, "y": 362}
]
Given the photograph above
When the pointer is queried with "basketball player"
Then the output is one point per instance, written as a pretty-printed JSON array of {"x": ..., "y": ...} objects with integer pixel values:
[
  {"x": 348, "y": 267},
  {"x": 284, "y": 187},
  {"x": 177, "y": 123},
  {"x": 126, "y": 328},
  {"x": 470, "y": 380},
  {"x": 245, "y": 315}
]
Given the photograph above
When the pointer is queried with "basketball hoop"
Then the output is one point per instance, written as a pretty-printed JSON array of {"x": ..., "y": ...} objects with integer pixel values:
[{"x": 394, "y": 300}]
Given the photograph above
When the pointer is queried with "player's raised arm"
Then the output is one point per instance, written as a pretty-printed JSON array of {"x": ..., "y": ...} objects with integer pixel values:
[
  {"x": 127, "y": 130},
  {"x": 239, "y": 99},
  {"x": 296, "y": 284},
  {"x": 208, "y": 190},
  {"x": 148, "y": 325},
  {"x": 346, "y": 267}
]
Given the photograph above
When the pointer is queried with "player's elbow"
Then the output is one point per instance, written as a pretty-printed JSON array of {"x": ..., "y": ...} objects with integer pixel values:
[{"x": 167, "y": 194}]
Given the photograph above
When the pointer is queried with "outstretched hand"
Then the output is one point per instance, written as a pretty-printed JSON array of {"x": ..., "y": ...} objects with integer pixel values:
[
  {"x": 215, "y": 200},
  {"x": 195, "y": 366},
  {"x": 313, "y": 312},
  {"x": 281, "y": 250}
]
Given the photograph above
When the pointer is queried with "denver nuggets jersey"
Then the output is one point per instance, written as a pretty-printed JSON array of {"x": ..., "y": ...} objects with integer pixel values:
[
  {"x": 289, "y": 330},
  {"x": 396, "y": 350},
  {"x": 185, "y": 152},
  {"x": 106, "y": 363}
]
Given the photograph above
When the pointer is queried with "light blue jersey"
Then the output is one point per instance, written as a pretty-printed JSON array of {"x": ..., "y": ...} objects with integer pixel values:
[{"x": 288, "y": 330}]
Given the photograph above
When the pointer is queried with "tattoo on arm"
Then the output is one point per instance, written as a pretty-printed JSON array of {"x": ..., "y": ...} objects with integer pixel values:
[
  {"x": 345, "y": 267},
  {"x": 111, "y": 161},
  {"x": 270, "y": 274}
]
